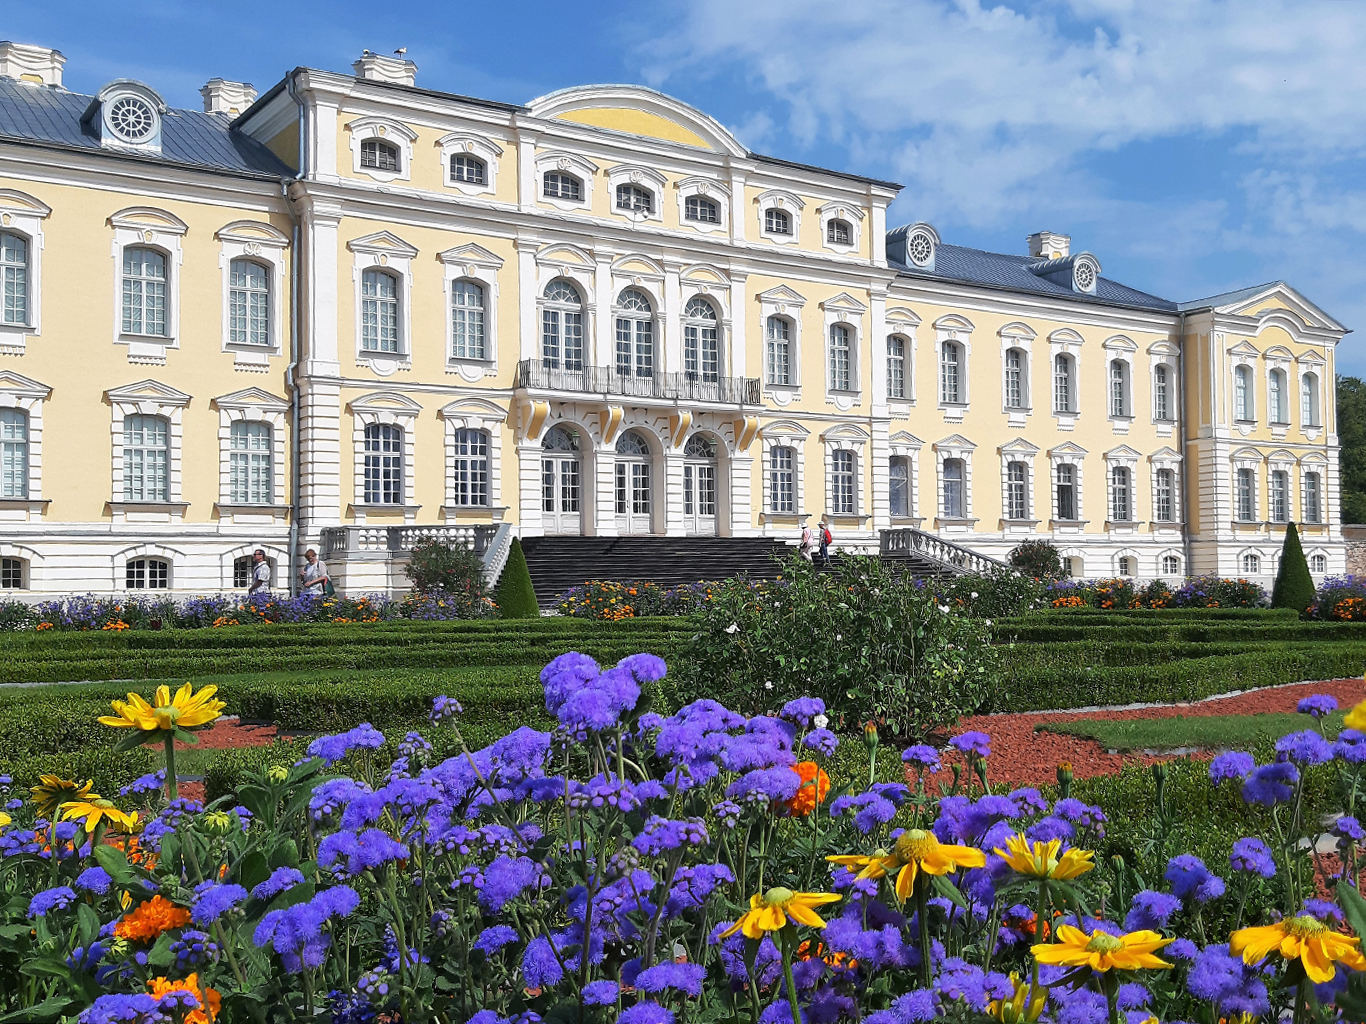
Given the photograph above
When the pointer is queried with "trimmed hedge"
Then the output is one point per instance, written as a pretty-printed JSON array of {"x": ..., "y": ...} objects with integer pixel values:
[
  {"x": 108, "y": 769},
  {"x": 1202, "y": 632},
  {"x": 1187, "y": 615}
]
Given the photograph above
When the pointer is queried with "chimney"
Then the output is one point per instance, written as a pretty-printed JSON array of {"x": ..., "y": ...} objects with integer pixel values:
[
  {"x": 223, "y": 97},
  {"x": 34, "y": 64},
  {"x": 1049, "y": 245},
  {"x": 379, "y": 68}
]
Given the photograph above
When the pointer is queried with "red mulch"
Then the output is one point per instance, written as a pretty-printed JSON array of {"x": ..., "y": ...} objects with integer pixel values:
[{"x": 226, "y": 734}]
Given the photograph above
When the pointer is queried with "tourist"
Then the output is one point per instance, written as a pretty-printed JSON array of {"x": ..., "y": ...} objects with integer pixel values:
[
  {"x": 826, "y": 541},
  {"x": 260, "y": 575},
  {"x": 808, "y": 544},
  {"x": 314, "y": 576}
]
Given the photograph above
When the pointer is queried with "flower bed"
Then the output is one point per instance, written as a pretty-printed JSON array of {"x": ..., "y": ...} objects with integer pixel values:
[
  {"x": 609, "y": 601},
  {"x": 1341, "y": 599},
  {"x": 1123, "y": 592}
]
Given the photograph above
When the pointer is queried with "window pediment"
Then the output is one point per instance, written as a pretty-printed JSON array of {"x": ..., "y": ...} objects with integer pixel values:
[
  {"x": 392, "y": 402},
  {"x": 845, "y": 432},
  {"x": 783, "y": 429},
  {"x": 252, "y": 398},
  {"x": 1120, "y": 343},
  {"x": 473, "y": 409},
  {"x": 844, "y": 303},
  {"x": 636, "y": 264},
  {"x": 901, "y": 318},
  {"x": 15, "y": 202},
  {"x": 382, "y": 243},
  {"x": 249, "y": 232},
  {"x": 954, "y": 442},
  {"x": 905, "y": 439},
  {"x": 1018, "y": 446},
  {"x": 148, "y": 391},
  {"x": 1018, "y": 332},
  {"x": 562, "y": 253},
  {"x": 1123, "y": 453},
  {"x": 1068, "y": 449},
  {"x": 783, "y": 295},
  {"x": 145, "y": 218},
  {"x": 953, "y": 323},
  {"x": 17, "y": 385},
  {"x": 1165, "y": 454},
  {"x": 704, "y": 274},
  {"x": 471, "y": 254}
]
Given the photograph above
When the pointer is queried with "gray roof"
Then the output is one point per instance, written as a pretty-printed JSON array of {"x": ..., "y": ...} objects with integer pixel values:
[
  {"x": 1225, "y": 298},
  {"x": 49, "y": 116},
  {"x": 1013, "y": 273}
]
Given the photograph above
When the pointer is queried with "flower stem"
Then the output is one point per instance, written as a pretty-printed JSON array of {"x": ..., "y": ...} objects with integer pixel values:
[
  {"x": 922, "y": 913},
  {"x": 789, "y": 935},
  {"x": 172, "y": 789}
]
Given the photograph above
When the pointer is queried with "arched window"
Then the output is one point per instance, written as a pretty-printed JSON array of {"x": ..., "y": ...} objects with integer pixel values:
[
  {"x": 379, "y": 324},
  {"x": 1162, "y": 392},
  {"x": 1279, "y": 496},
  {"x": 251, "y": 457},
  {"x": 635, "y": 334},
  {"x": 1171, "y": 565},
  {"x": 13, "y": 279},
  {"x": 1121, "y": 499},
  {"x": 1064, "y": 385},
  {"x": 1251, "y": 565},
  {"x": 378, "y": 156},
  {"x": 899, "y": 485},
  {"x": 1309, "y": 400},
  {"x": 843, "y": 483},
  {"x": 633, "y": 475},
  {"x": 13, "y": 453},
  {"x": 1318, "y": 564},
  {"x": 467, "y": 321},
  {"x": 468, "y": 169},
  {"x": 703, "y": 211},
  {"x": 1128, "y": 565},
  {"x": 1164, "y": 497},
  {"x": 147, "y": 574},
  {"x": 1242, "y": 393},
  {"x": 635, "y": 199},
  {"x": 1017, "y": 490},
  {"x": 841, "y": 358},
  {"x": 558, "y": 185},
  {"x": 954, "y": 495},
  {"x": 248, "y": 303},
  {"x": 699, "y": 481},
  {"x": 562, "y": 327},
  {"x": 777, "y": 222},
  {"x": 896, "y": 367},
  {"x": 1119, "y": 387},
  {"x": 1312, "y": 509},
  {"x": 701, "y": 341},
  {"x": 778, "y": 360},
  {"x": 383, "y": 464},
  {"x": 1245, "y": 500},
  {"x": 12, "y": 573},
  {"x": 471, "y": 469},
  {"x": 950, "y": 373},
  {"x": 1015, "y": 387},
  {"x": 782, "y": 482},
  {"x": 146, "y": 458},
  {"x": 839, "y": 232},
  {"x": 1276, "y": 405},
  {"x": 1067, "y": 491},
  {"x": 560, "y": 477},
  {"x": 144, "y": 292}
]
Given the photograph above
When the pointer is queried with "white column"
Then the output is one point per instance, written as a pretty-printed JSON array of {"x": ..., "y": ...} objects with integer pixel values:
[
  {"x": 877, "y": 354},
  {"x": 671, "y": 322},
  {"x": 738, "y": 341},
  {"x": 602, "y": 285},
  {"x": 322, "y": 154},
  {"x": 879, "y": 475},
  {"x": 671, "y": 500},
  {"x": 528, "y": 328},
  {"x": 529, "y": 489},
  {"x": 604, "y": 498},
  {"x": 742, "y": 494}
]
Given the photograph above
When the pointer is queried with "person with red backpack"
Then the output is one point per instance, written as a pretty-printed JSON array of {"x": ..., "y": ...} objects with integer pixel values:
[{"x": 826, "y": 541}]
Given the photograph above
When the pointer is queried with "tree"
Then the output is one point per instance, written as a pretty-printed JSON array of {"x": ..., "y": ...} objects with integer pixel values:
[
  {"x": 1294, "y": 586},
  {"x": 1039, "y": 559},
  {"x": 515, "y": 597},
  {"x": 1351, "y": 423}
]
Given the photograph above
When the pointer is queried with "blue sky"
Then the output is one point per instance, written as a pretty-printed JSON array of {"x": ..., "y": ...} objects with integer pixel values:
[{"x": 1193, "y": 145}]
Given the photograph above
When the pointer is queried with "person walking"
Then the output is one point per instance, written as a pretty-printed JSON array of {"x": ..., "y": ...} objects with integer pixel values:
[
  {"x": 808, "y": 543},
  {"x": 826, "y": 540},
  {"x": 314, "y": 576},
  {"x": 260, "y": 575}
]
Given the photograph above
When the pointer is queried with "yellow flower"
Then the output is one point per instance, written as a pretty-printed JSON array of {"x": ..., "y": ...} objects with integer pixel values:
[
  {"x": 1102, "y": 951},
  {"x": 1041, "y": 860},
  {"x": 186, "y": 710},
  {"x": 1356, "y": 718},
  {"x": 916, "y": 850},
  {"x": 1024, "y": 1005},
  {"x": 769, "y": 912},
  {"x": 52, "y": 791},
  {"x": 5, "y": 819},
  {"x": 95, "y": 809},
  {"x": 1302, "y": 938}
]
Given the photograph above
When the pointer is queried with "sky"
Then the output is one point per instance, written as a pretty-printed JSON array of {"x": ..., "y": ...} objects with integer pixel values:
[{"x": 1193, "y": 146}]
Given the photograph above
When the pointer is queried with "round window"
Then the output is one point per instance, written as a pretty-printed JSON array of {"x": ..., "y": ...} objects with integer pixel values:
[
  {"x": 921, "y": 249},
  {"x": 1085, "y": 276},
  {"x": 132, "y": 119}
]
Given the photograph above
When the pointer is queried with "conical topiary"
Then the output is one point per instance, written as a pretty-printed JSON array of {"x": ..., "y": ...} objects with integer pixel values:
[
  {"x": 1294, "y": 586},
  {"x": 515, "y": 597}
]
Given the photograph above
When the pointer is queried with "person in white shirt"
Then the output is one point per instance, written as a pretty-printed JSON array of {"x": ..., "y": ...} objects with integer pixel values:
[
  {"x": 314, "y": 576},
  {"x": 260, "y": 575}
]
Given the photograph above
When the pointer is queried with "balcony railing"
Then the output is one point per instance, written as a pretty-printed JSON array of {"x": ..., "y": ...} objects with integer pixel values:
[
  {"x": 603, "y": 380},
  {"x": 340, "y": 541},
  {"x": 910, "y": 541}
]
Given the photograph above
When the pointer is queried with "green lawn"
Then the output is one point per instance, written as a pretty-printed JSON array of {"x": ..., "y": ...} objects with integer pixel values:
[{"x": 1212, "y": 732}]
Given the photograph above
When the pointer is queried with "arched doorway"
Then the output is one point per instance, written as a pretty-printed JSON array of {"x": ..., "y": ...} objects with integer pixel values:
[
  {"x": 633, "y": 480},
  {"x": 560, "y": 475},
  {"x": 699, "y": 486}
]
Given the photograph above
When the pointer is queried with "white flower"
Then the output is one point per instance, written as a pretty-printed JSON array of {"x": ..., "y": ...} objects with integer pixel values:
[
  {"x": 974, "y": 593},
  {"x": 838, "y": 636},
  {"x": 944, "y": 608},
  {"x": 820, "y": 721},
  {"x": 988, "y": 622},
  {"x": 733, "y": 628},
  {"x": 768, "y": 686}
]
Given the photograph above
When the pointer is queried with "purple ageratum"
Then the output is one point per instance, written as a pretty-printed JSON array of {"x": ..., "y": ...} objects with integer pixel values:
[
  {"x": 1254, "y": 856},
  {"x": 296, "y": 933},
  {"x": 50, "y": 900},
  {"x": 1190, "y": 879},
  {"x": 494, "y": 938},
  {"x": 972, "y": 744},
  {"x": 915, "y": 1007},
  {"x": 95, "y": 880},
  {"x": 1351, "y": 746},
  {"x": 1320, "y": 705},
  {"x": 216, "y": 901},
  {"x": 333, "y": 796},
  {"x": 566, "y": 674},
  {"x": 1346, "y": 827},
  {"x": 348, "y": 854},
  {"x": 1233, "y": 765},
  {"x": 822, "y": 741},
  {"x": 1306, "y": 747},
  {"x": 1150, "y": 911},
  {"x": 923, "y": 756},
  {"x": 506, "y": 879},
  {"x": 660, "y": 834},
  {"x": 1226, "y": 981},
  {"x": 644, "y": 668},
  {"x": 647, "y": 1012},
  {"x": 803, "y": 710},
  {"x": 765, "y": 786},
  {"x": 668, "y": 976},
  {"x": 877, "y": 806},
  {"x": 445, "y": 709},
  {"x": 116, "y": 1008},
  {"x": 600, "y": 993},
  {"x": 332, "y": 749},
  {"x": 1271, "y": 784},
  {"x": 540, "y": 967},
  {"x": 280, "y": 880}
]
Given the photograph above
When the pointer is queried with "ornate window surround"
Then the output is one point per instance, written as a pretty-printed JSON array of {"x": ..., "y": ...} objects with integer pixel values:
[
  {"x": 791, "y": 204},
  {"x": 783, "y": 302},
  {"x": 395, "y": 409},
  {"x": 1170, "y": 459},
  {"x": 955, "y": 446},
  {"x": 1164, "y": 353},
  {"x": 148, "y": 398},
  {"x": 1069, "y": 453},
  {"x": 253, "y": 405},
  {"x": 784, "y": 434},
  {"x": 642, "y": 177},
  {"x": 1021, "y": 336},
  {"x": 957, "y": 329},
  {"x": 1018, "y": 450},
  {"x": 1244, "y": 353},
  {"x": 906, "y": 445},
  {"x": 148, "y": 227},
  {"x": 903, "y": 321},
  {"x": 472, "y": 262},
  {"x": 1246, "y": 458},
  {"x": 850, "y": 214},
  {"x": 474, "y": 414},
  {"x": 1278, "y": 357},
  {"x": 1124, "y": 350},
  {"x": 847, "y": 311},
  {"x": 1066, "y": 342},
  {"x": 710, "y": 189},
  {"x": 265, "y": 244},
  {"x": 1282, "y": 460},
  {"x": 395, "y": 133},
  {"x": 582, "y": 168},
  {"x": 846, "y": 437},
  {"x": 26, "y": 394},
  {"x": 453, "y": 143},
  {"x": 24, "y": 214},
  {"x": 1309, "y": 362},
  {"x": 385, "y": 250},
  {"x": 1128, "y": 458},
  {"x": 173, "y": 558}
]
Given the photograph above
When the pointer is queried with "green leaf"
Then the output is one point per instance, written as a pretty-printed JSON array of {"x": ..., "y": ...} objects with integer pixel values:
[
  {"x": 1353, "y": 906},
  {"x": 943, "y": 887},
  {"x": 89, "y": 923},
  {"x": 160, "y": 954},
  {"x": 113, "y": 861},
  {"x": 46, "y": 969},
  {"x": 253, "y": 869},
  {"x": 50, "y": 1009},
  {"x": 134, "y": 739}
]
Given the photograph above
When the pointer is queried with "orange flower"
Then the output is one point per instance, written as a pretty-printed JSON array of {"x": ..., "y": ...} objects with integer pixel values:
[
  {"x": 150, "y": 919},
  {"x": 815, "y": 784},
  {"x": 209, "y": 1000}
]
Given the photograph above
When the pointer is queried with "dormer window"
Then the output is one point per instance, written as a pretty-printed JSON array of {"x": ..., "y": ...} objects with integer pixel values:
[
  {"x": 132, "y": 119},
  {"x": 126, "y": 113},
  {"x": 777, "y": 222},
  {"x": 839, "y": 232},
  {"x": 1084, "y": 276},
  {"x": 635, "y": 199},
  {"x": 702, "y": 210},
  {"x": 558, "y": 185},
  {"x": 469, "y": 169},
  {"x": 378, "y": 156}
]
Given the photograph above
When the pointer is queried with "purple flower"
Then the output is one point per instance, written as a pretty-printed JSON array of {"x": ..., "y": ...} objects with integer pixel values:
[
  {"x": 912, "y": 1008},
  {"x": 280, "y": 880},
  {"x": 540, "y": 968},
  {"x": 94, "y": 880},
  {"x": 506, "y": 879},
  {"x": 644, "y": 668},
  {"x": 216, "y": 901},
  {"x": 1253, "y": 855},
  {"x": 972, "y": 744},
  {"x": 1230, "y": 984},
  {"x": 332, "y": 749},
  {"x": 600, "y": 993},
  {"x": 360, "y": 852},
  {"x": 1150, "y": 911},
  {"x": 1232, "y": 765},
  {"x": 1351, "y": 746},
  {"x": 444, "y": 709},
  {"x": 803, "y": 709},
  {"x": 57, "y": 898},
  {"x": 193, "y": 949},
  {"x": 1183, "y": 950},
  {"x": 822, "y": 741},
  {"x": 765, "y": 785},
  {"x": 1306, "y": 747},
  {"x": 876, "y": 807},
  {"x": 494, "y": 938},
  {"x": 1346, "y": 826},
  {"x": 1190, "y": 878},
  {"x": 1324, "y": 910},
  {"x": 685, "y": 978},
  {"x": 1271, "y": 784},
  {"x": 646, "y": 1012},
  {"x": 116, "y": 1008},
  {"x": 661, "y": 834},
  {"x": 1318, "y": 705},
  {"x": 923, "y": 756}
]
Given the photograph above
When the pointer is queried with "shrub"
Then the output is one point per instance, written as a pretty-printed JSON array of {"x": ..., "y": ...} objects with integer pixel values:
[
  {"x": 866, "y": 641},
  {"x": 453, "y": 569},
  {"x": 611, "y": 601},
  {"x": 515, "y": 596},
  {"x": 1038, "y": 558},
  {"x": 1294, "y": 586},
  {"x": 993, "y": 595},
  {"x": 1341, "y": 598}
]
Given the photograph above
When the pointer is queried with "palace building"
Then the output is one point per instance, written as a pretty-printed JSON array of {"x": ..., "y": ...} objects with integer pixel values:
[{"x": 351, "y": 312}]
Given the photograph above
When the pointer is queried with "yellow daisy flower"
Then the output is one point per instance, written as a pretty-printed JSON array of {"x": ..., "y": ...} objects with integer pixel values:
[
  {"x": 95, "y": 810},
  {"x": 916, "y": 850},
  {"x": 1102, "y": 951},
  {"x": 1356, "y": 718},
  {"x": 1302, "y": 938},
  {"x": 1041, "y": 860},
  {"x": 52, "y": 791},
  {"x": 769, "y": 912},
  {"x": 186, "y": 710},
  {"x": 1024, "y": 1005}
]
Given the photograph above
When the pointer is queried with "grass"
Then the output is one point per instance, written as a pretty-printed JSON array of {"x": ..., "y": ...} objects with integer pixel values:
[{"x": 1209, "y": 732}]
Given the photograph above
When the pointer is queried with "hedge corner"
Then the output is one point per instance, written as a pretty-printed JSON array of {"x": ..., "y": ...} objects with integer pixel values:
[
  {"x": 1294, "y": 586},
  {"x": 514, "y": 596}
]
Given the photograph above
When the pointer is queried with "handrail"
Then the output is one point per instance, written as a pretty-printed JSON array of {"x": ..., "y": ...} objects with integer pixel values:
[
  {"x": 908, "y": 540},
  {"x": 344, "y": 540},
  {"x": 605, "y": 380}
]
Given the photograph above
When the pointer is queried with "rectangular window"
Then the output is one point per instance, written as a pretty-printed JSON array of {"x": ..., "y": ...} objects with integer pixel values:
[
  {"x": 1121, "y": 508},
  {"x": 1015, "y": 379},
  {"x": 896, "y": 367},
  {"x": 13, "y": 453},
  {"x": 147, "y": 574},
  {"x": 1312, "y": 511},
  {"x": 1245, "y": 500},
  {"x": 379, "y": 155},
  {"x": 11, "y": 574},
  {"x": 842, "y": 483},
  {"x": 561, "y": 186},
  {"x": 379, "y": 312},
  {"x": 899, "y": 485},
  {"x": 251, "y": 464},
  {"x": 1062, "y": 384},
  {"x": 1161, "y": 394},
  {"x": 782, "y": 467},
  {"x": 1164, "y": 502},
  {"x": 383, "y": 464},
  {"x": 248, "y": 303},
  {"x": 950, "y": 383},
  {"x": 467, "y": 321},
  {"x": 144, "y": 292},
  {"x": 954, "y": 504},
  {"x": 1119, "y": 388},
  {"x": 841, "y": 359},
  {"x": 13, "y": 279},
  {"x": 146, "y": 458},
  {"x": 1280, "y": 496},
  {"x": 1067, "y": 492},
  {"x": 471, "y": 468},
  {"x": 1017, "y": 491},
  {"x": 779, "y": 361}
]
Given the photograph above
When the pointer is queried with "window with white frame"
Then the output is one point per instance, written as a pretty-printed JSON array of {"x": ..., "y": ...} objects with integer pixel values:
[
  {"x": 843, "y": 478},
  {"x": 1277, "y": 407},
  {"x": 896, "y": 367},
  {"x": 703, "y": 211},
  {"x": 467, "y": 321},
  {"x": 468, "y": 169},
  {"x": 1067, "y": 491},
  {"x": 378, "y": 155},
  {"x": 1309, "y": 400},
  {"x": 14, "y": 279},
  {"x": 839, "y": 232},
  {"x": 13, "y": 453},
  {"x": 1279, "y": 496},
  {"x": 1245, "y": 497},
  {"x": 1171, "y": 565},
  {"x": 634, "y": 199},
  {"x": 899, "y": 485},
  {"x": 1164, "y": 496},
  {"x": 1015, "y": 386},
  {"x": 1121, "y": 494},
  {"x": 471, "y": 467},
  {"x": 777, "y": 222},
  {"x": 778, "y": 357},
  {"x": 1017, "y": 490},
  {"x": 1119, "y": 387},
  {"x": 147, "y": 574},
  {"x": 248, "y": 303},
  {"x": 950, "y": 373},
  {"x": 251, "y": 457},
  {"x": 1311, "y": 509},
  {"x": 1064, "y": 384},
  {"x": 146, "y": 458},
  {"x": 1242, "y": 394},
  {"x": 841, "y": 358},
  {"x": 12, "y": 573},
  {"x": 782, "y": 471},
  {"x": 701, "y": 341},
  {"x": 380, "y": 329},
  {"x": 1318, "y": 564},
  {"x": 1162, "y": 392},
  {"x": 1251, "y": 564},
  {"x": 635, "y": 322},
  {"x": 955, "y": 503},
  {"x": 562, "y": 327},
  {"x": 144, "y": 291},
  {"x": 559, "y": 185},
  {"x": 1128, "y": 565},
  {"x": 633, "y": 491},
  {"x": 383, "y": 464}
]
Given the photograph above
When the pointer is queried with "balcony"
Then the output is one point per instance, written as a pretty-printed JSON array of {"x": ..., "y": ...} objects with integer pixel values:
[{"x": 602, "y": 380}]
